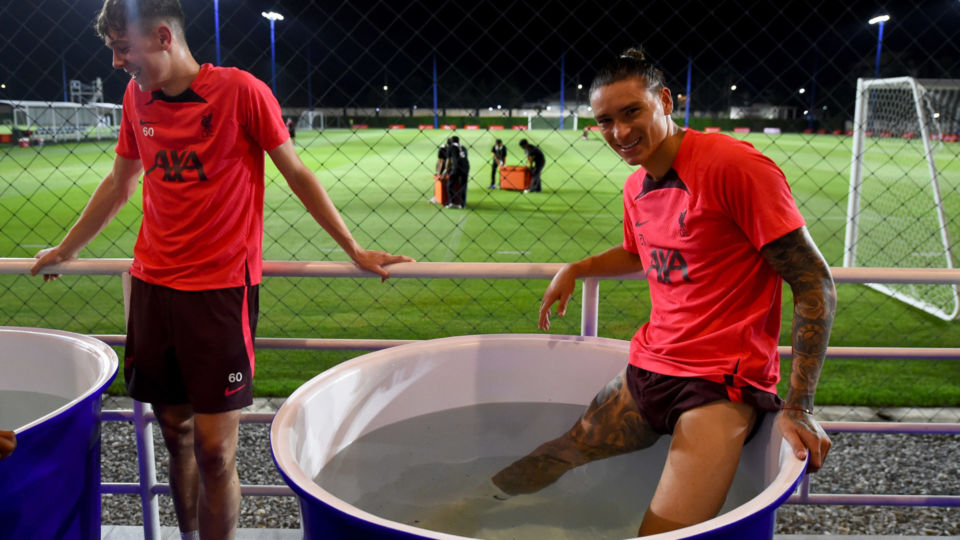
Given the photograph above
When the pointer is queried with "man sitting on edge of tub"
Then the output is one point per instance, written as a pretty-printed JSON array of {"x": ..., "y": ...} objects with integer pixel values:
[{"x": 712, "y": 223}]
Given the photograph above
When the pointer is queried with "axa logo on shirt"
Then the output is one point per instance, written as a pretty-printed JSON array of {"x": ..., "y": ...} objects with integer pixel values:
[
  {"x": 666, "y": 261},
  {"x": 178, "y": 166}
]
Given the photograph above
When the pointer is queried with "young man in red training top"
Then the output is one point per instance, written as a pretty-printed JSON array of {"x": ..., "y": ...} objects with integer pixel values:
[
  {"x": 712, "y": 223},
  {"x": 198, "y": 134}
]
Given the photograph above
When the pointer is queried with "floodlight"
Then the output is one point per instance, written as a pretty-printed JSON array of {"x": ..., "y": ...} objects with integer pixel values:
[
  {"x": 273, "y": 17},
  {"x": 879, "y": 19}
]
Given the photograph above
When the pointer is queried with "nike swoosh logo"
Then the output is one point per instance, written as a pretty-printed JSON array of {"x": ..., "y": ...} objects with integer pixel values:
[
  {"x": 641, "y": 223},
  {"x": 146, "y": 123},
  {"x": 228, "y": 392}
]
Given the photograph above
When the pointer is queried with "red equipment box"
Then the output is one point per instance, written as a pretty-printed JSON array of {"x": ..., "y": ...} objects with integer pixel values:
[
  {"x": 517, "y": 178},
  {"x": 440, "y": 190}
]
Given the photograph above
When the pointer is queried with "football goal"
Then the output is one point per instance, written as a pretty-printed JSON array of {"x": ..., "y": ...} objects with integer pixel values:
[
  {"x": 547, "y": 120},
  {"x": 311, "y": 119},
  {"x": 905, "y": 185}
]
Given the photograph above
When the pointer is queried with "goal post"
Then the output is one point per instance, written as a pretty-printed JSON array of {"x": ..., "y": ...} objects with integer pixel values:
[{"x": 904, "y": 153}]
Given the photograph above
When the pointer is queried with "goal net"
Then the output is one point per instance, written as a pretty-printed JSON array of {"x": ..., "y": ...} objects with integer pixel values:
[
  {"x": 310, "y": 119},
  {"x": 904, "y": 196},
  {"x": 551, "y": 120}
]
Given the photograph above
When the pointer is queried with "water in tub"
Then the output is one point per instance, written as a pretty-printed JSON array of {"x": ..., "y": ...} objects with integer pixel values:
[
  {"x": 433, "y": 472},
  {"x": 18, "y": 407}
]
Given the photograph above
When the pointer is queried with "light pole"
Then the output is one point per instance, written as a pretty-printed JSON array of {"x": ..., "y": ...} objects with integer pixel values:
[
  {"x": 576, "y": 109},
  {"x": 686, "y": 105},
  {"x": 216, "y": 26},
  {"x": 809, "y": 111},
  {"x": 880, "y": 19},
  {"x": 733, "y": 88},
  {"x": 273, "y": 17}
]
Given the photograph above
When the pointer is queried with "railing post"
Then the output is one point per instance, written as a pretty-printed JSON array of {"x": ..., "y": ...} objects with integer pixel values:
[
  {"x": 144, "y": 435},
  {"x": 148, "y": 472},
  {"x": 125, "y": 284},
  {"x": 590, "y": 312}
]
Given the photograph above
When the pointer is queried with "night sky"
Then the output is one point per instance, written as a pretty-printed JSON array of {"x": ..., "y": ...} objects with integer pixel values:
[{"x": 506, "y": 52}]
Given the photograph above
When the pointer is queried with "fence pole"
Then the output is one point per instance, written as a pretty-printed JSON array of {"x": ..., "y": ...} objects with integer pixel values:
[
  {"x": 436, "y": 122},
  {"x": 563, "y": 58},
  {"x": 590, "y": 312},
  {"x": 146, "y": 463},
  {"x": 686, "y": 109},
  {"x": 148, "y": 472}
]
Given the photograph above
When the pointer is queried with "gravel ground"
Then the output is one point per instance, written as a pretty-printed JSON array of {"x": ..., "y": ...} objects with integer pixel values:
[{"x": 858, "y": 463}]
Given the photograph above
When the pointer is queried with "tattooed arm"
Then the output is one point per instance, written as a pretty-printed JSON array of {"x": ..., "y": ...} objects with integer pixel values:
[{"x": 798, "y": 261}]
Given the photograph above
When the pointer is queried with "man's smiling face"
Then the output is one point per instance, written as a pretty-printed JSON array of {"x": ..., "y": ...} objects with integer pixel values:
[
  {"x": 633, "y": 119},
  {"x": 138, "y": 54}
]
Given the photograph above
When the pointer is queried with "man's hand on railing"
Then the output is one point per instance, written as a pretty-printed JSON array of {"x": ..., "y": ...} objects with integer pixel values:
[
  {"x": 46, "y": 257},
  {"x": 374, "y": 261},
  {"x": 560, "y": 290}
]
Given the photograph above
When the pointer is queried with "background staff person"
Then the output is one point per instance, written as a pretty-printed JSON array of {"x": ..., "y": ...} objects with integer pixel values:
[
  {"x": 535, "y": 161},
  {"x": 499, "y": 152},
  {"x": 457, "y": 170},
  {"x": 440, "y": 175}
]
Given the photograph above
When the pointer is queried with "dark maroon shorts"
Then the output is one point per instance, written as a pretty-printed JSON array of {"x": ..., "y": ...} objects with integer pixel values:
[
  {"x": 663, "y": 398},
  {"x": 191, "y": 347}
]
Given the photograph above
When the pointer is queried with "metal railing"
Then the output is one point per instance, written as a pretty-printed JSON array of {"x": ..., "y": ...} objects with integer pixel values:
[{"x": 148, "y": 488}]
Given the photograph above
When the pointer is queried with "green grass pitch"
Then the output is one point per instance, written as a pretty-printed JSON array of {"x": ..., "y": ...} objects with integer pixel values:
[{"x": 381, "y": 182}]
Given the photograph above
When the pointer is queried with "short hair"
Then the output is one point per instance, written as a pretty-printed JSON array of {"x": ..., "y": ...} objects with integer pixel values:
[
  {"x": 523, "y": 142},
  {"x": 455, "y": 139},
  {"x": 499, "y": 141},
  {"x": 116, "y": 15},
  {"x": 632, "y": 62}
]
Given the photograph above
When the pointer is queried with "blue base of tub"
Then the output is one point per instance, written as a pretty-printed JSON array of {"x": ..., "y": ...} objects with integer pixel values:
[
  {"x": 51, "y": 482},
  {"x": 322, "y": 521}
]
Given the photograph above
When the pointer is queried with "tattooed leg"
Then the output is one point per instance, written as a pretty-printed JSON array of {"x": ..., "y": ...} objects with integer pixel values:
[{"x": 611, "y": 426}]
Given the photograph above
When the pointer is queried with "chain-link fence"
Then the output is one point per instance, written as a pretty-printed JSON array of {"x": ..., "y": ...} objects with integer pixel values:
[{"x": 371, "y": 87}]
